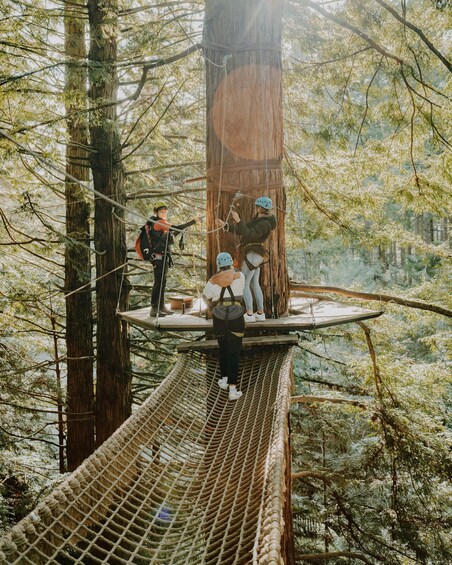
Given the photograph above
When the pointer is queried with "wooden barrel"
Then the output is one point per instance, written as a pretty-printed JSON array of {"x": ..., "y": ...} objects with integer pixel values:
[{"x": 181, "y": 302}]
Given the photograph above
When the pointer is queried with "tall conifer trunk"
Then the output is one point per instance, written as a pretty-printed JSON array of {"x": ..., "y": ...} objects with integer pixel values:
[
  {"x": 242, "y": 41},
  {"x": 79, "y": 315},
  {"x": 244, "y": 128},
  {"x": 113, "y": 391}
]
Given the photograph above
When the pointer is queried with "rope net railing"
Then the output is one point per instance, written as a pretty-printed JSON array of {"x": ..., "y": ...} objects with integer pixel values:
[{"x": 190, "y": 478}]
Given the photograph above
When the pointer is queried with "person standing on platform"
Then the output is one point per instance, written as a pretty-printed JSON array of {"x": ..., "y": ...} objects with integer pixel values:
[
  {"x": 156, "y": 239},
  {"x": 253, "y": 234},
  {"x": 226, "y": 286}
]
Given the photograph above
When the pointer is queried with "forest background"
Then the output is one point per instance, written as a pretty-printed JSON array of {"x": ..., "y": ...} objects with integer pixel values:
[{"x": 367, "y": 178}]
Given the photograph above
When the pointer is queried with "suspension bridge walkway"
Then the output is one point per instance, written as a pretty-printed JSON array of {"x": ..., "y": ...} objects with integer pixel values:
[{"x": 189, "y": 479}]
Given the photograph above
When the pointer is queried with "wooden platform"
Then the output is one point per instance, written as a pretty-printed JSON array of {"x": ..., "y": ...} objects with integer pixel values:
[
  {"x": 305, "y": 314},
  {"x": 248, "y": 342}
]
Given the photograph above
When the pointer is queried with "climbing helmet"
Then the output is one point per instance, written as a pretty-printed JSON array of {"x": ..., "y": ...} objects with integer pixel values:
[
  {"x": 160, "y": 204},
  {"x": 224, "y": 260},
  {"x": 264, "y": 202}
]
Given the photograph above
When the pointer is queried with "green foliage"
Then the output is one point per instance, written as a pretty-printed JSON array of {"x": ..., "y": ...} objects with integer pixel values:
[
  {"x": 368, "y": 176},
  {"x": 379, "y": 472},
  {"x": 369, "y": 207}
]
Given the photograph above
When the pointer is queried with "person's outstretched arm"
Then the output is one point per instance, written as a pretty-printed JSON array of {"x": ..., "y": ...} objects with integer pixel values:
[{"x": 176, "y": 229}]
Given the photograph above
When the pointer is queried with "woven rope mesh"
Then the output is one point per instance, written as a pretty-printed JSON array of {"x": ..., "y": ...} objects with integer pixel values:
[{"x": 190, "y": 478}]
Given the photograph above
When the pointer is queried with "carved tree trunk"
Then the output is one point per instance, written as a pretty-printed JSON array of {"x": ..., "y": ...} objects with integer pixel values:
[
  {"x": 79, "y": 315},
  {"x": 244, "y": 129},
  {"x": 113, "y": 391}
]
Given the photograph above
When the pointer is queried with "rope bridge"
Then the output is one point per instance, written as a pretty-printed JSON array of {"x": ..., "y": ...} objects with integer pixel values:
[{"x": 190, "y": 478}]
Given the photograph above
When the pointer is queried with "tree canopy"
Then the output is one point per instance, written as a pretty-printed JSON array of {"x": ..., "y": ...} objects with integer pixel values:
[{"x": 120, "y": 88}]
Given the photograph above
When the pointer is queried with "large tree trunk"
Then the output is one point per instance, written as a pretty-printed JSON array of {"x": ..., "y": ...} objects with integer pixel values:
[
  {"x": 113, "y": 391},
  {"x": 242, "y": 42},
  {"x": 79, "y": 327},
  {"x": 244, "y": 128}
]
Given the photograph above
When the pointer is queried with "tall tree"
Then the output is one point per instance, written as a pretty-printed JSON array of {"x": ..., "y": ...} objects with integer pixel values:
[
  {"x": 242, "y": 45},
  {"x": 113, "y": 390},
  {"x": 244, "y": 128},
  {"x": 79, "y": 325}
]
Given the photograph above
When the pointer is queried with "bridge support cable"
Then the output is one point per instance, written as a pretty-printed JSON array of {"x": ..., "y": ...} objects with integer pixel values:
[{"x": 189, "y": 478}]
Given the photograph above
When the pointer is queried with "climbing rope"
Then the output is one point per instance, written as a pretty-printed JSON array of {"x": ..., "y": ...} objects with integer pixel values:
[
  {"x": 189, "y": 478},
  {"x": 92, "y": 281},
  {"x": 220, "y": 181}
]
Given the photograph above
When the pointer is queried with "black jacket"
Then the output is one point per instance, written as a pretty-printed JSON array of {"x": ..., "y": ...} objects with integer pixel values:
[
  {"x": 161, "y": 241},
  {"x": 255, "y": 231}
]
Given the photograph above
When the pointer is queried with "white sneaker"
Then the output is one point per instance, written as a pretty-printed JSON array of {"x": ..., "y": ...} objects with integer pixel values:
[
  {"x": 259, "y": 317},
  {"x": 223, "y": 383},
  {"x": 235, "y": 394},
  {"x": 249, "y": 318}
]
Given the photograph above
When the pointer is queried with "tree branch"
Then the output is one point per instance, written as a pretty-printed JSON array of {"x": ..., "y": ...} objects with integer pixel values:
[
  {"x": 413, "y": 115},
  {"x": 313, "y": 289},
  {"x": 160, "y": 63},
  {"x": 311, "y": 198},
  {"x": 332, "y": 555},
  {"x": 367, "y": 106},
  {"x": 28, "y": 438},
  {"x": 329, "y": 359},
  {"x": 306, "y": 398},
  {"x": 419, "y": 32},
  {"x": 353, "y": 29},
  {"x": 373, "y": 356},
  {"x": 311, "y": 474},
  {"x": 349, "y": 389},
  {"x": 159, "y": 119}
]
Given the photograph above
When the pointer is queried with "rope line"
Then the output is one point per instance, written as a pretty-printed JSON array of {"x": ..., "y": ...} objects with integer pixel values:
[
  {"x": 244, "y": 166},
  {"x": 220, "y": 172},
  {"x": 121, "y": 284},
  {"x": 165, "y": 266},
  {"x": 93, "y": 281},
  {"x": 84, "y": 185},
  {"x": 189, "y": 478}
]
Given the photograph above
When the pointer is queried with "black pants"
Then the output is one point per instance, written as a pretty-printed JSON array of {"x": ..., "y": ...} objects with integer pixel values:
[
  {"x": 230, "y": 346},
  {"x": 158, "y": 290}
]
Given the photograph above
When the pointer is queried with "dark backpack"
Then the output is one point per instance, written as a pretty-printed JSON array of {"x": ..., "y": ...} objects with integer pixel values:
[
  {"x": 143, "y": 244},
  {"x": 228, "y": 316}
]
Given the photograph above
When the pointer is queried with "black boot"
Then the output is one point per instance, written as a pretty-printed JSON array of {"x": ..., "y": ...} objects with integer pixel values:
[{"x": 157, "y": 312}]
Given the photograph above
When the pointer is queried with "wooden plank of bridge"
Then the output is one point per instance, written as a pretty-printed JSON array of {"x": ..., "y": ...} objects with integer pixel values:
[{"x": 204, "y": 345}]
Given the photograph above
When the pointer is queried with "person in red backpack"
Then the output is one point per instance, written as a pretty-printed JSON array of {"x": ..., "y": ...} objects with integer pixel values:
[{"x": 156, "y": 239}]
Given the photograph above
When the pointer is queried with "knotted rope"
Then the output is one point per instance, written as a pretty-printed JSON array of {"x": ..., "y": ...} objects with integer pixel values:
[{"x": 189, "y": 478}]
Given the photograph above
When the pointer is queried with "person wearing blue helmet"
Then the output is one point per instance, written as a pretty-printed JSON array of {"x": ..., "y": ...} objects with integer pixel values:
[
  {"x": 230, "y": 339},
  {"x": 253, "y": 234}
]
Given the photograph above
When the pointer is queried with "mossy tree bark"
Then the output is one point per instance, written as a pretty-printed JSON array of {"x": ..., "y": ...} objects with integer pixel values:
[
  {"x": 79, "y": 314},
  {"x": 113, "y": 388}
]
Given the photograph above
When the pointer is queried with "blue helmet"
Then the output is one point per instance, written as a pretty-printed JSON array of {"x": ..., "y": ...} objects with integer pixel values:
[
  {"x": 224, "y": 260},
  {"x": 264, "y": 202}
]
